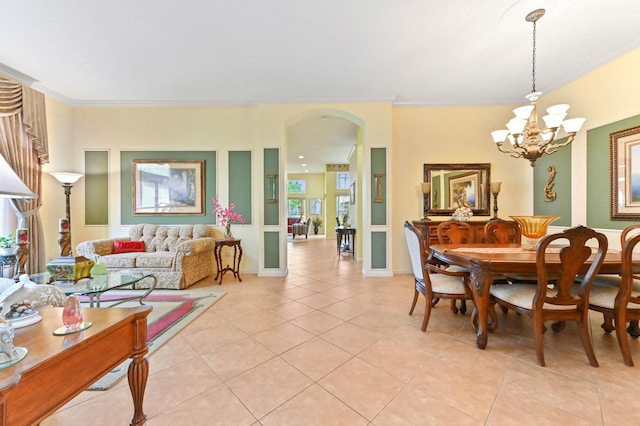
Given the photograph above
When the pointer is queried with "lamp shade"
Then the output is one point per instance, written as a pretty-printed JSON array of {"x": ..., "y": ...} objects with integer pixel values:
[
  {"x": 66, "y": 177},
  {"x": 11, "y": 186}
]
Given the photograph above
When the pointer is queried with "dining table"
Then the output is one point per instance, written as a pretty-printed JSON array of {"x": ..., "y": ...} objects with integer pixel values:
[{"x": 486, "y": 261}]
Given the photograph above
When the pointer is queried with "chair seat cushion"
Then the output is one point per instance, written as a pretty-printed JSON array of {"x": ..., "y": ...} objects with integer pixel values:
[
  {"x": 521, "y": 295},
  {"x": 441, "y": 283},
  {"x": 604, "y": 295}
]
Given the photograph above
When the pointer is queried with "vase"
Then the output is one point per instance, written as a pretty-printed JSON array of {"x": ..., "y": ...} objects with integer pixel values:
[
  {"x": 228, "y": 235},
  {"x": 533, "y": 228},
  {"x": 7, "y": 251},
  {"x": 72, "y": 313}
]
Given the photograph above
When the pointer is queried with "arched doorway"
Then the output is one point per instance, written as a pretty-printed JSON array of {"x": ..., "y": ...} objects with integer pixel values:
[{"x": 315, "y": 139}]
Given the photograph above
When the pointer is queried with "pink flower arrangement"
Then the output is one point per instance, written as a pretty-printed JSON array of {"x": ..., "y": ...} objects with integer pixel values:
[{"x": 226, "y": 215}]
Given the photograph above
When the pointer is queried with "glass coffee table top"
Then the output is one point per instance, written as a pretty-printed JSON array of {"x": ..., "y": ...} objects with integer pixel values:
[{"x": 96, "y": 286}]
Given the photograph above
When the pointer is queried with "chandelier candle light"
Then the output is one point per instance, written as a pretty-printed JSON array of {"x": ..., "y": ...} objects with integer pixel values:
[
  {"x": 526, "y": 139},
  {"x": 226, "y": 216}
]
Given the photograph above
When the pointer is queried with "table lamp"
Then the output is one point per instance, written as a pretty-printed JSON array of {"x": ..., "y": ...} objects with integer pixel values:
[
  {"x": 495, "y": 190},
  {"x": 68, "y": 267}
]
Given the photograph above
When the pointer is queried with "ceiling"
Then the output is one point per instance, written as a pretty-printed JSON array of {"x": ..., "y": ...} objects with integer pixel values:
[{"x": 248, "y": 52}]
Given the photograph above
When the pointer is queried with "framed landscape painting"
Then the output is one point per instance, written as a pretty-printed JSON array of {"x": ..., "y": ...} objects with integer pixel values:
[
  {"x": 625, "y": 174},
  {"x": 168, "y": 187}
]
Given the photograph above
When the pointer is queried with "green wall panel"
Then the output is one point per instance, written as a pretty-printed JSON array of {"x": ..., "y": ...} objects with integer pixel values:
[
  {"x": 240, "y": 182},
  {"x": 126, "y": 186},
  {"x": 598, "y": 174},
  {"x": 271, "y": 249},
  {"x": 378, "y": 250},
  {"x": 378, "y": 165},
  {"x": 96, "y": 187},
  {"x": 271, "y": 166},
  {"x": 561, "y": 206}
]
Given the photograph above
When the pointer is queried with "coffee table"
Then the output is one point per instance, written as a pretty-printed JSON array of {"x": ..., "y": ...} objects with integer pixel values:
[{"x": 98, "y": 285}]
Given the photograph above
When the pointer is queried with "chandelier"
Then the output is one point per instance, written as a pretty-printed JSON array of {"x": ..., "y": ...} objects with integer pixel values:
[{"x": 526, "y": 139}]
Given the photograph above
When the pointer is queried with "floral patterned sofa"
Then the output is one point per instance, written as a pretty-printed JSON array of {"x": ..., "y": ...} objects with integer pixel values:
[{"x": 179, "y": 256}]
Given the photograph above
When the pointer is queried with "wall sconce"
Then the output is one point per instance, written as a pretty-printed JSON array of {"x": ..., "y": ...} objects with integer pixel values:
[
  {"x": 272, "y": 188},
  {"x": 426, "y": 191},
  {"x": 495, "y": 190},
  {"x": 378, "y": 180}
]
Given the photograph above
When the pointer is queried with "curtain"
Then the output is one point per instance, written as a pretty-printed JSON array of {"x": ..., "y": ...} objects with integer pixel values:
[{"x": 24, "y": 144}]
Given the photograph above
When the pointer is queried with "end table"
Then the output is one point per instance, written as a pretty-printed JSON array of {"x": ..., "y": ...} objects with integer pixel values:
[{"x": 237, "y": 257}]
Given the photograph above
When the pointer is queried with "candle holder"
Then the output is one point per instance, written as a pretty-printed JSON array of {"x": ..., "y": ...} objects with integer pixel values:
[
  {"x": 495, "y": 190},
  {"x": 426, "y": 192}
]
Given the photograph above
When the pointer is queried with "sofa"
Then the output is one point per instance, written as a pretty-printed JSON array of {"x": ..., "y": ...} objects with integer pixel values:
[{"x": 179, "y": 256}]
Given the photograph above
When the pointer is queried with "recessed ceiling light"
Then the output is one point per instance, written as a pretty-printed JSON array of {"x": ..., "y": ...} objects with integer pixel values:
[
  {"x": 301, "y": 156},
  {"x": 304, "y": 164},
  {"x": 306, "y": 171}
]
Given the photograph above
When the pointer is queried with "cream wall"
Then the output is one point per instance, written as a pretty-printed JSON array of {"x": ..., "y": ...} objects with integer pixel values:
[
  {"x": 414, "y": 136},
  {"x": 450, "y": 135},
  {"x": 74, "y": 129}
]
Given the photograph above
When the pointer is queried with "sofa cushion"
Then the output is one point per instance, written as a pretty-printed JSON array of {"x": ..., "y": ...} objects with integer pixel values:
[
  {"x": 127, "y": 246},
  {"x": 161, "y": 259},
  {"x": 122, "y": 260}
]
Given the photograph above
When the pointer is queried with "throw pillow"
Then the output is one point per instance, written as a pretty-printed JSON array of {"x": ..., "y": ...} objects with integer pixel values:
[{"x": 127, "y": 246}]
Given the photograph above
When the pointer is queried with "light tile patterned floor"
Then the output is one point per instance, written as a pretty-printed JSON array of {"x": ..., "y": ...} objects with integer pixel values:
[{"x": 326, "y": 346}]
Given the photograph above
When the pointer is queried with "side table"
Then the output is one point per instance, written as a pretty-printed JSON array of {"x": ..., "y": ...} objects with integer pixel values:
[
  {"x": 7, "y": 260},
  {"x": 237, "y": 257},
  {"x": 346, "y": 240}
]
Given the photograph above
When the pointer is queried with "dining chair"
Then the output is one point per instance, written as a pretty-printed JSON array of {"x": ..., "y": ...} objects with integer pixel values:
[
  {"x": 618, "y": 297},
  {"x": 566, "y": 301},
  {"x": 432, "y": 281},
  {"x": 455, "y": 232},
  {"x": 499, "y": 231}
]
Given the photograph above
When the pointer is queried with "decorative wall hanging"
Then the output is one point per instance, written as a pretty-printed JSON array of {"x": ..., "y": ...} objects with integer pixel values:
[{"x": 549, "y": 193}]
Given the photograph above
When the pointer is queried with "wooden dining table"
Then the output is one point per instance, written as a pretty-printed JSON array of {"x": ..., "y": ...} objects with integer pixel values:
[{"x": 484, "y": 261}]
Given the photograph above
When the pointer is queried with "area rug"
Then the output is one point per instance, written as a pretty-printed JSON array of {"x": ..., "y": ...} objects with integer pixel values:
[{"x": 172, "y": 311}]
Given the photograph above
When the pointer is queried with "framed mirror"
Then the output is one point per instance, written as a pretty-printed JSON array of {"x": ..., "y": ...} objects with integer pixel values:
[{"x": 457, "y": 185}]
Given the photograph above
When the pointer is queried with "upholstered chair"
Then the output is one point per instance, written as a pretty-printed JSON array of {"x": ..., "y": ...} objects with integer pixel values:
[
  {"x": 618, "y": 297},
  {"x": 431, "y": 281},
  {"x": 566, "y": 301}
]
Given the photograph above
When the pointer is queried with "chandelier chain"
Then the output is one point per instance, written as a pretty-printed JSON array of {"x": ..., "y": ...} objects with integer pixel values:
[{"x": 533, "y": 67}]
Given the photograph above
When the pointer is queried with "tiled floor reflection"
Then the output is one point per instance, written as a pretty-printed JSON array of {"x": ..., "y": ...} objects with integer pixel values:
[{"x": 326, "y": 346}]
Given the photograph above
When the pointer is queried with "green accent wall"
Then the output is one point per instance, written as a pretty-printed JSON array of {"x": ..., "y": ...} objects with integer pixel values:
[
  {"x": 271, "y": 250},
  {"x": 126, "y": 187},
  {"x": 96, "y": 187},
  {"x": 271, "y": 166},
  {"x": 378, "y": 165},
  {"x": 240, "y": 182},
  {"x": 561, "y": 206},
  {"x": 378, "y": 250},
  {"x": 599, "y": 177}
]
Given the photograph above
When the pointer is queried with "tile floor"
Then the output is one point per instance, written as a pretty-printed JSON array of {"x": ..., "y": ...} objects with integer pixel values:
[{"x": 326, "y": 346}]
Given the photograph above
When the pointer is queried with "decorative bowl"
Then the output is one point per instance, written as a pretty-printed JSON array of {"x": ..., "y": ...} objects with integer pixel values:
[{"x": 534, "y": 227}]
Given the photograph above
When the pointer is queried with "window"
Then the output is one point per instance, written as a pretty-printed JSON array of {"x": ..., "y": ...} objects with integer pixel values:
[
  {"x": 296, "y": 186},
  {"x": 342, "y": 206},
  {"x": 296, "y": 207},
  {"x": 342, "y": 181}
]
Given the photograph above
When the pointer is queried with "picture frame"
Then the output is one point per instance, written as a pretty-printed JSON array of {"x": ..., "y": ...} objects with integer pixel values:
[
  {"x": 625, "y": 174},
  {"x": 464, "y": 191},
  {"x": 315, "y": 206},
  {"x": 352, "y": 193},
  {"x": 163, "y": 188},
  {"x": 296, "y": 186}
]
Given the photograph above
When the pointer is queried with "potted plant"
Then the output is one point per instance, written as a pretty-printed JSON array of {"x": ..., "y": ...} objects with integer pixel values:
[
  {"x": 316, "y": 222},
  {"x": 6, "y": 244}
]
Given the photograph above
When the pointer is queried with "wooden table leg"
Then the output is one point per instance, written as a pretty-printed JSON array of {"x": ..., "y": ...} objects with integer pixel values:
[
  {"x": 480, "y": 284},
  {"x": 139, "y": 372}
]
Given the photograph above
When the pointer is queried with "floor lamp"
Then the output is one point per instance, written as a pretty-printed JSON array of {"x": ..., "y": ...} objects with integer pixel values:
[
  {"x": 12, "y": 187},
  {"x": 68, "y": 267}
]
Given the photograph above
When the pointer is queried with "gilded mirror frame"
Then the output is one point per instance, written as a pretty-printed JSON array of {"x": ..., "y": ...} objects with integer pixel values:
[{"x": 469, "y": 182}]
